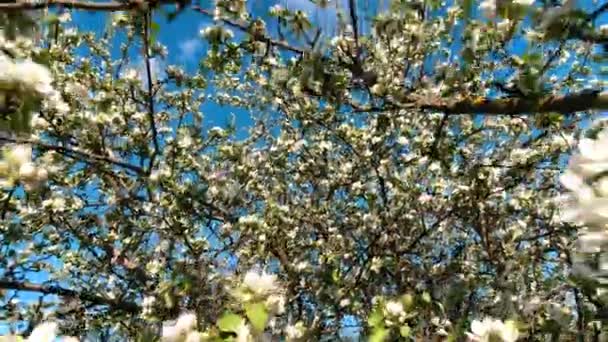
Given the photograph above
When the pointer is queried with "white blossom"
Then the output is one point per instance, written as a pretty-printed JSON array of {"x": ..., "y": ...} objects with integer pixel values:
[
  {"x": 394, "y": 308},
  {"x": 44, "y": 332},
  {"x": 295, "y": 331},
  {"x": 488, "y": 8},
  {"x": 185, "y": 324},
  {"x": 524, "y": 2},
  {"x": 490, "y": 329},
  {"x": 260, "y": 283},
  {"x": 243, "y": 333}
]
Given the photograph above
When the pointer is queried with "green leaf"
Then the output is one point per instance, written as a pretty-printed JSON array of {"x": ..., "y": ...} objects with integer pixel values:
[
  {"x": 467, "y": 6},
  {"x": 408, "y": 301},
  {"x": 51, "y": 18},
  {"x": 405, "y": 330},
  {"x": 335, "y": 275},
  {"x": 379, "y": 334},
  {"x": 154, "y": 30},
  {"x": 375, "y": 318},
  {"x": 169, "y": 299},
  {"x": 426, "y": 297},
  {"x": 229, "y": 322},
  {"x": 257, "y": 315}
]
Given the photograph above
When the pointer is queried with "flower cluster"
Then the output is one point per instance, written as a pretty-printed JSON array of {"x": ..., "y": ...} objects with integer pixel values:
[
  {"x": 44, "y": 332},
  {"x": 16, "y": 166},
  {"x": 493, "y": 330},
  {"x": 184, "y": 330},
  {"x": 29, "y": 78},
  {"x": 587, "y": 200}
]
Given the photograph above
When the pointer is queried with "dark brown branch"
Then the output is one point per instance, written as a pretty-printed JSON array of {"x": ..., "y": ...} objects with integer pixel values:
[
  {"x": 150, "y": 92},
  {"x": 74, "y": 153},
  {"x": 437, "y": 136},
  {"x": 563, "y": 104},
  {"x": 598, "y": 12},
  {"x": 63, "y": 292},
  {"x": 7, "y": 201},
  {"x": 354, "y": 20},
  {"x": 588, "y": 35}
]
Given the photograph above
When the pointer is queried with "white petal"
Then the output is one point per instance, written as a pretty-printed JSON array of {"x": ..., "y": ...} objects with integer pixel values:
[
  {"x": 45, "y": 332},
  {"x": 478, "y": 328},
  {"x": 592, "y": 242},
  {"x": 571, "y": 180}
]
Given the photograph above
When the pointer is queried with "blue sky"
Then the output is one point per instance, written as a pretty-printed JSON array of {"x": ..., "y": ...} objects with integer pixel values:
[{"x": 186, "y": 48}]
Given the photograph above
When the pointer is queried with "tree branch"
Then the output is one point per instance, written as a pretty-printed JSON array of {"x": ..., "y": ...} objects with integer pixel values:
[
  {"x": 563, "y": 104},
  {"x": 352, "y": 6},
  {"x": 129, "y": 307},
  {"x": 598, "y": 12},
  {"x": 7, "y": 201},
  {"x": 245, "y": 28},
  {"x": 577, "y": 102},
  {"x": 74, "y": 153},
  {"x": 150, "y": 92},
  {"x": 109, "y": 6}
]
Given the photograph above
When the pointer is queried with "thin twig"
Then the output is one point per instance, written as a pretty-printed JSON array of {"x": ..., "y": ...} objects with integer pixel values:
[
  {"x": 354, "y": 20},
  {"x": 151, "y": 110},
  {"x": 7, "y": 201},
  {"x": 245, "y": 28}
]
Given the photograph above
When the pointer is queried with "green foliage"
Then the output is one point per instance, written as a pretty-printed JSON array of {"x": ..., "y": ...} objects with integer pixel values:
[
  {"x": 230, "y": 322},
  {"x": 257, "y": 315}
]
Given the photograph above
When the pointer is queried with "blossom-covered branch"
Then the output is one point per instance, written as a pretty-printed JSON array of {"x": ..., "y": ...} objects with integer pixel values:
[
  {"x": 74, "y": 153},
  {"x": 243, "y": 27},
  {"x": 110, "y": 6},
  {"x": 63, "y": 292}
]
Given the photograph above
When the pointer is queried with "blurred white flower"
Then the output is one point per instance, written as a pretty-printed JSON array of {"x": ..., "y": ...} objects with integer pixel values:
[
  {"x": 491, "y": 329},
  {"x": 524, "y": 2},
  {"x": 243, "y": 333},
  {"x": 276, "y": 304},
  {"x": 131, "y": 75},
  {"x": 592, "y": 241},
  {"x": 194, "y": 336},
  {"x": 185, "y": 324},
  {"x": 27, "y": 171},
  {"x": 276, "y": 10},
  {"x": 35, "y": 76},
  {"x": 488, "y": 8},
  {"x": 295, "y": 331},
  {"x": 260, "y": 283},
  {"x": 587, "y": 201},
  {"x": 44, "y": 332},
  {"x": 394, "y": 308},
  {"x": 18, "y": 155},
  {"x": 77, "y": 90}
]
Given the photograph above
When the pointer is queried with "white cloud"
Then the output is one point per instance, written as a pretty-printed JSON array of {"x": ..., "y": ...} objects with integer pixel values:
[{"x": 188, "y": 48}]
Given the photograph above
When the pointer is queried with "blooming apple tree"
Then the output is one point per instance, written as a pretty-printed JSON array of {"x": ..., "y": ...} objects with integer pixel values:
[{"x": 404, "y": 178}]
